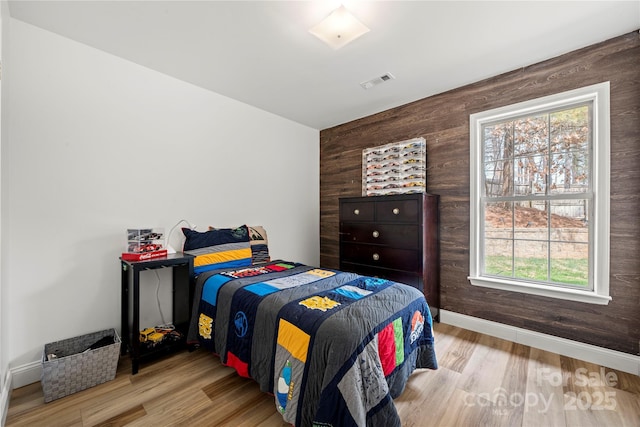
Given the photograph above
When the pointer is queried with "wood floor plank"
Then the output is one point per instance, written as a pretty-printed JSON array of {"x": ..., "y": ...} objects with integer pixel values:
[
  {"x": 179, "y": 412},
  {"x": 484, "y": 371},
  {"x": 426, "y": 398},
  {"x": 457, "y": 356},
  {"x": 23, "y": 401},
  {"x": 463, "y": 409},
  {"x": 481, "y": 381},
  {"x": 194, "y": 413},
  {"x": 587, "y": 401},
  {"x": 630, "y": 416},
  {"x": 544, "y": 380},
  {"x": 223, "y": 386},
  {"x": 124, "y": 418},
  {"x": 244, "y": 409},
  {"x": 166, "y": 403},
  {"x": 444, "y": 336},
  {"x": 514, "y": 386}
]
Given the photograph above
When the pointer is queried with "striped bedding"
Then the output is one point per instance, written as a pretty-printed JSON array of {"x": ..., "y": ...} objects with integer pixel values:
[{"x": 333, "y": 348}]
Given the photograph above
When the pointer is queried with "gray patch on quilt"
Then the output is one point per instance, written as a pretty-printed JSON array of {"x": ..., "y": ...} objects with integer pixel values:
[
  {"x": 202, "y": 278},
  {"x": 265, "y": 329},
  {"x": 361, "y": 387},
  {"x": 337, "y": 340},
  {"x": 297, "y": 372},
  {"x": 218, "y": 248},
  {"x": 225, "y": 298}
]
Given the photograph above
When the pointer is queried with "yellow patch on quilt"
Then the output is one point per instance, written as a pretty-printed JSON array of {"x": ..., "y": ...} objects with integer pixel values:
[
  {"x": 205, "y": 324},
  {"x": 290, "y": 394},
  {"x": 319, "y": 303},
  {"x": 224, "y": 256},
  {"x": 294, "y": 340},
  {"x": 321, "y": 273}
]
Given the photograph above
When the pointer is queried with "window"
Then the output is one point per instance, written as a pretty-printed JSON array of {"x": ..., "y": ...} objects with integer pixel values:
[{"x": 540, "y": 196}]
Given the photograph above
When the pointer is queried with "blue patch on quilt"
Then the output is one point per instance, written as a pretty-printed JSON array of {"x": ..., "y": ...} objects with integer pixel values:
[
  {"x": 229, "y": 264},
  {"x": 212, "y": 286},
  {"x": 352, "y": 291},
  {"x": 261, "y": 289},
  {"x": 243, "y": 316}
]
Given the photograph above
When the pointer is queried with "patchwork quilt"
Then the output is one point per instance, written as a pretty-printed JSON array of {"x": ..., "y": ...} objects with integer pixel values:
[{"x": 333, "y": 348}]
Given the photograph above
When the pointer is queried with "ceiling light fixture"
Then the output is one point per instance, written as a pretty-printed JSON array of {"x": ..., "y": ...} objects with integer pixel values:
[{"x": 339, "y": 28}]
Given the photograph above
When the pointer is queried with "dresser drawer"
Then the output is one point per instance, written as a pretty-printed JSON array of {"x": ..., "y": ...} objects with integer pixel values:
[
  {"x": 398, "y": 236},
  {"x": 393, "y": 237},
  {"x": 398, "y": 211},
  {"x": 382, "y": 256},
  {"x": 357, "y": 211}
]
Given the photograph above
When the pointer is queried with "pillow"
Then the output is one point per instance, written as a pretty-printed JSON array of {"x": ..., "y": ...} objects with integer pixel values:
[
  {"x": 258, "y": 242},
  {"x": 259, "y": 245},
  {"x": 218, "y": 248}
]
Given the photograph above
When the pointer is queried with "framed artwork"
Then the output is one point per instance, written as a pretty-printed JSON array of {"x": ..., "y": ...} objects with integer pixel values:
[{"x": 396, "y": 168}]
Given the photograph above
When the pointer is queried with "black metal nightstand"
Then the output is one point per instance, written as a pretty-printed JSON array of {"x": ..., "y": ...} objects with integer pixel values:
[{"x": 182, "y": 265}]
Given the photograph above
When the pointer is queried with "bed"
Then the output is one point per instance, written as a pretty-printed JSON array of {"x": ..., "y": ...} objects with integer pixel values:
[{"x": 333, "y": 348}]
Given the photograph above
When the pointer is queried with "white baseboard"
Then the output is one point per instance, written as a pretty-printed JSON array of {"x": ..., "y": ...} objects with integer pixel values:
[
  {"x": 5, "y": 397},
  {"x": 610, "y": 358},
  {"x": 26, "y": 374}
]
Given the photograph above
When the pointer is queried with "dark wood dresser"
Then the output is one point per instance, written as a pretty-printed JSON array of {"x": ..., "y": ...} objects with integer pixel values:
[{"x": 393, "y": 237}]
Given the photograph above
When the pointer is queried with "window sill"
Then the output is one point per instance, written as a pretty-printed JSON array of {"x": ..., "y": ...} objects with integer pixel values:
[{"x": 589, "y": 297}]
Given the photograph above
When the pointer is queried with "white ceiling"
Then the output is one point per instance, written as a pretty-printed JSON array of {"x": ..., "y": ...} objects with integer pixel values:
[{"x": 261, "y": 53}]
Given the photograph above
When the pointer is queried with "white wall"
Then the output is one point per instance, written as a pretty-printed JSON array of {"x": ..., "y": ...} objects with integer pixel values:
[
  {"x": 4, "y": 379},
  {"x": 97, "y": 144}
]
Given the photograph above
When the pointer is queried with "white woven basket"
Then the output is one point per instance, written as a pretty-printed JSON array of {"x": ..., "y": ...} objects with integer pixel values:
[{"x": 75, "y": 369}]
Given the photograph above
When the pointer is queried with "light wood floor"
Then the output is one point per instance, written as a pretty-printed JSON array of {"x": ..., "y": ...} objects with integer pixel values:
[{"x": 482, "y": 381}]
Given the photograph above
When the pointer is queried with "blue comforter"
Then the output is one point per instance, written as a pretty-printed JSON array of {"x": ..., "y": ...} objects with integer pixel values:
[{"x": 333, "y": 348}]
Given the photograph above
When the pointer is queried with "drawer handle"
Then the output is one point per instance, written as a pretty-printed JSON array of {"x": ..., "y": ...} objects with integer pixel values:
[
  {"x": 375, "y": 233},
  {"x": 356, "y": 211},
  {"x": 396, "y": 211},
  {"x": 376, "y": 257}
]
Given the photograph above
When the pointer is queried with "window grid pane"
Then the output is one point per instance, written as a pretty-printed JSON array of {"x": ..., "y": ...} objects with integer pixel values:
[{"x": 535, "y": 228}]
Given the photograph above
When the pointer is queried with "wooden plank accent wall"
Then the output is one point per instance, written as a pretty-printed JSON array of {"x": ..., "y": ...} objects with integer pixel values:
[{"x": 443, "y": 120}]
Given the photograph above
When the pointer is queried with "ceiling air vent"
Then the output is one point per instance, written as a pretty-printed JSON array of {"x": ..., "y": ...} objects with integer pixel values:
[{"x": 376, "y": 81}]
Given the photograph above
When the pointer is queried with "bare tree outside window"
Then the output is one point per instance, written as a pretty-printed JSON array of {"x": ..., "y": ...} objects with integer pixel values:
[
  {"x": 536, "y": 196},
  {"x": 540, "y": 196}
]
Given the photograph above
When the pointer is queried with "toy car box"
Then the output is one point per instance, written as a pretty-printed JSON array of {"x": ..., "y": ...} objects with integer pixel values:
[{"x": 144, "y": 243}]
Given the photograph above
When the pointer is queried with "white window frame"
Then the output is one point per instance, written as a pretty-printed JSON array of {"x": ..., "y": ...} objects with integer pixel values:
[{"x": 599, "y": 237}]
